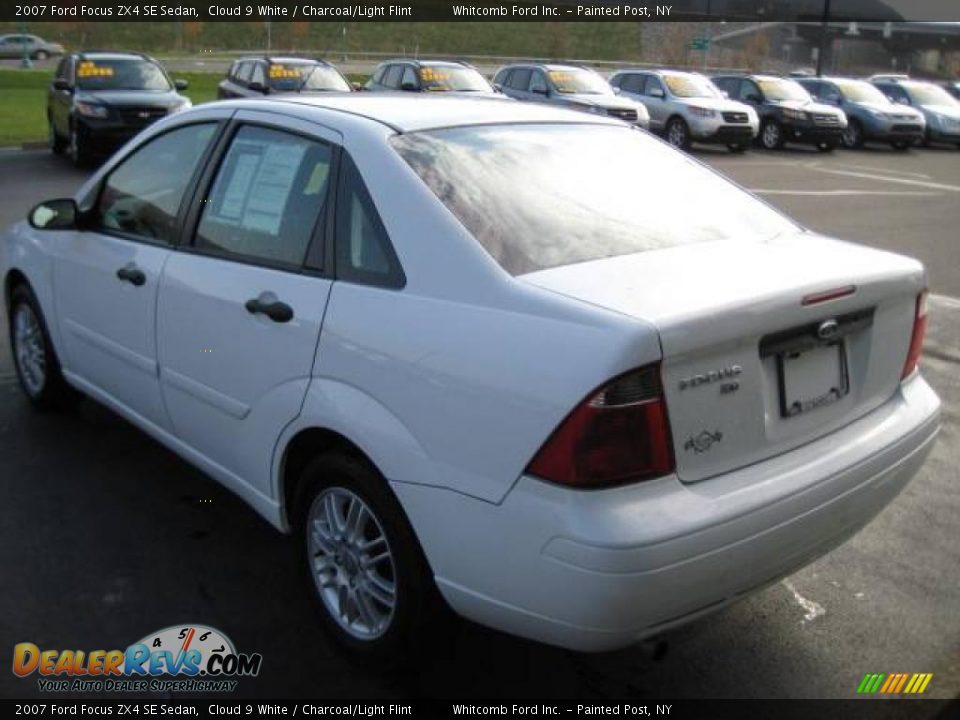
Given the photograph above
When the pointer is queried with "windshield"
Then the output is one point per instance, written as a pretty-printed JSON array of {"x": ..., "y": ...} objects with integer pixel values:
[
  {"x": 691, "y": 86},
  {"x": 779, "y": 89},
  {"x": 539, "y": 196},
  {"x": 442, "y": 78},
  {"x": 927, "y": 94},
  {"x": 121, "y": 74},
  {"x": 307, "y": 76},
  {"x": 861, "y": 92},
  {"x": 574, "y": 80}
]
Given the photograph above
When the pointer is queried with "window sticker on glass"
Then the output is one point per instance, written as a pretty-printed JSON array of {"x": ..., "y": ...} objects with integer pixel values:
[
  {"x": 88, "y": 68},
  {"x": 283, "y": 72},
  {"x": 238, "y": 189}
]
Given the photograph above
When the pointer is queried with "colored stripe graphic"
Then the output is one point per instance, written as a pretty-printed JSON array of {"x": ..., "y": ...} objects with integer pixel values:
[{"x": 894, "y": 683}]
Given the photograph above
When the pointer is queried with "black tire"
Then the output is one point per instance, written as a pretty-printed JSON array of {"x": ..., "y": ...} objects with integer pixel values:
[
  {"x": 771, "y": 135},
  {"x": 52, "y": 392},
  {"x": 419, "y": 611},
  {"x": 57, "y": 144},
  {"x": 78, "y": 147},
  {"x": 826, "y": 147},
  {"x": 678, "y": 134},
  {"x": 852, "y": 135},
  {"x": 901, "y": 145},
  {"x": 736, "y": 148}
]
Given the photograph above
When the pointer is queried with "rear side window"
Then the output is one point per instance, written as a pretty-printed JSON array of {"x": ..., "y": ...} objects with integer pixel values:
[
  {"x": 541, "y": 196},
  {"x": 268, "y": 196},
  {"x": 364, "y": 253},
  {"x": 142, "y": 196},
  {"x": 519, "y": 79},
  {"x": 378, "y": 74}
]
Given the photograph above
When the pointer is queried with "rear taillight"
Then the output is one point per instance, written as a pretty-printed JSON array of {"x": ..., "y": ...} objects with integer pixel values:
[
  {"x": 916, "y": 339},
  {"x": 619, "y": 434}
]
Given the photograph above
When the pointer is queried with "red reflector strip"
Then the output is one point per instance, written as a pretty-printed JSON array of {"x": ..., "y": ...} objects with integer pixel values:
[{"x": 815, "y": 298}]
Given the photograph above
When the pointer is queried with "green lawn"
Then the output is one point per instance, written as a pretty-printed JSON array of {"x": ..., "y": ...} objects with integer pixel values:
[{"x": 23, "y": 101}]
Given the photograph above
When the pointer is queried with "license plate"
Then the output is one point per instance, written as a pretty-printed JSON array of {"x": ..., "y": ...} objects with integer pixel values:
[{"x": 813, "y": 378}]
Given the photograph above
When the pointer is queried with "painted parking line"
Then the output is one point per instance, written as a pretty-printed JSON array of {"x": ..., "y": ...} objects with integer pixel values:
[
  {"x": 945, "y": 301},
  {"x": 874, "y": 168},
  {"x": 885, "y": 178},
  {"x": 896, "y": 193}
]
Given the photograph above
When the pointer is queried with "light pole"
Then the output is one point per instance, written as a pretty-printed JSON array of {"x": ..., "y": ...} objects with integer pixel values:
[
  {"x": 823, "y": 36},
  {"x": 26, "y": 63}
]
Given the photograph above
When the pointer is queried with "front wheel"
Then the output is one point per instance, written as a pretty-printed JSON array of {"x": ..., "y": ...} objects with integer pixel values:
[
  {"x": 771, "y": 135},
  {"x": 365, "y": 569},
  {"x": 57, "y": 143},
  {"x": 78, "y": 147},
  {"x": 852, "y": 135},
  {"x": 41, "y": 55},
  {"x": 678, "y": 134},
  {"x": 34, "y": 358},
  {"x": 900, "y": 145},
  {"x": 736, "y": 148},
  {"x": 826, "y": 147}
]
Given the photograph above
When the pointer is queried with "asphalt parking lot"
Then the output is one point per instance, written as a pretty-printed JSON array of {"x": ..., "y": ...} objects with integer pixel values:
[{"x": 108, "y": 536}]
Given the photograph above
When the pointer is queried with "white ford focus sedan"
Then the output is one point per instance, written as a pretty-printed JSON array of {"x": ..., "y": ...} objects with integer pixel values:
[{"x": 531, "y": 362}]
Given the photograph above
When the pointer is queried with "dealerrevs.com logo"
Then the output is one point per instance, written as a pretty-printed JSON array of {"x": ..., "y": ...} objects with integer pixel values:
[{"x": 188, "y": 658}]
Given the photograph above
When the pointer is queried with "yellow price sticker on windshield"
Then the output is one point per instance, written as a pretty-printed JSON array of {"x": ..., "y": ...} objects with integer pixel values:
[
  {"x": 428, "y": 74},
  {"x": 680, "y": 85},
  {"x": 282, "y": 72},
  {"x": 88, "y": 69}
]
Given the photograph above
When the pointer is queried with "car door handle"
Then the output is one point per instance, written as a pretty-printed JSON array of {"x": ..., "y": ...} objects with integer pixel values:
[
  {"x": 132, "y": 274},
  {"x": 267, "y": 304}
]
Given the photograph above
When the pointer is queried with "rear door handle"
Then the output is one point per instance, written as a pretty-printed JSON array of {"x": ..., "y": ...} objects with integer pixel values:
[
  {"x": 267, "y": 304},
  {"x": 132, "y": 274}
]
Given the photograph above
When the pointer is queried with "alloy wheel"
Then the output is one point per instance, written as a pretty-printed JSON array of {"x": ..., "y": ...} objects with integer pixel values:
[
  {"x": 351, "y": 563},
  {"x": 29, "y": 349},
  {"x": 771, "y": 136}
]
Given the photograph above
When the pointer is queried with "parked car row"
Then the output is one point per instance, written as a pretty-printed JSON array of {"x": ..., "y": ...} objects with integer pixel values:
[{"x": 99, "y": 100}]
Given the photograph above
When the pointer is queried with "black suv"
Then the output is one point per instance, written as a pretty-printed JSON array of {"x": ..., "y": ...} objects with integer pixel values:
[
  {"x": 99, "y": 100},
  {"x": 259, "y": 76},
  {"x": 450, "y": 76},
  {"x": 787, "y": 112}
]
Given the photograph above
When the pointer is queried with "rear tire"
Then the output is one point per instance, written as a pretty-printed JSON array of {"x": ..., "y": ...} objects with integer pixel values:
[
  {"x": 736, "y": 148},
  {"x": 852, "y": 135},
  {"x": 678, "y": 134},
  {"x": 35, "y": 360},
  {"x": 826, "y": 147},
  {"x": 363, "y": 565},
  {"x": 771, "y": 135},
  {"x": 900, "y": 145}
]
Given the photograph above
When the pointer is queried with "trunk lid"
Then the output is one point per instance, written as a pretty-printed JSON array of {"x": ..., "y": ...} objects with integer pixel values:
[{"x": 745, "y": 374}]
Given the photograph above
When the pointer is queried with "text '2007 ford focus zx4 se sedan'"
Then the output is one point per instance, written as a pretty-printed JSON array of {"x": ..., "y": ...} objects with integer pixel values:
[{"x": 466, "y": 350}]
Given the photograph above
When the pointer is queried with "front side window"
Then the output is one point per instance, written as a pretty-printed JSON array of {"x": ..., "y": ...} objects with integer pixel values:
[
  {"x": 258, "y": 75},
  {"x": 269, "y": 193},
  {"x": 409, "y": 79},
  {"x": 519, "y": 79},
  {"x": 142, "y": 196},
  {"x": 121, "y": 74},
  {"x": 539, "y": 196},
  {"x": 392, "y": 77}
]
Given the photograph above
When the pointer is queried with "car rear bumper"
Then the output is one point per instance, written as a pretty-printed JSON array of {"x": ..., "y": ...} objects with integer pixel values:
[{"x": 598, "y": 570}]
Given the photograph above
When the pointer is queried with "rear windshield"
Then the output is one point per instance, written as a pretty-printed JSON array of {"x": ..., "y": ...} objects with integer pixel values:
[
  {"x": 121, "y": 74},
  {"x": 540, "y": 196}
]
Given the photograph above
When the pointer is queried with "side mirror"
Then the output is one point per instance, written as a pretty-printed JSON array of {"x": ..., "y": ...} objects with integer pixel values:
[
  {"x": 409, "y": 87},
  {"x": 61, "y": 84},
  {"x": 725, "y": 94},
  {"x": 539, "y": 90},
  {"x": 617, "y": 91},
  {"x": 257, "y": 86},
  {"x": 357, "y": 87},
  {"x": 181, "y": 84},
  {"x": 656, "y": 92},
  {"x": 754, "y": 99},
  {"x": 498, "y": 87},
  {"x": 59, "y": 214}
]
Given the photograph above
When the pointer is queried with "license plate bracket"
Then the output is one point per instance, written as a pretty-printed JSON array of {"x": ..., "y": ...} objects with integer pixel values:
[{"x": 812, "y": 378}]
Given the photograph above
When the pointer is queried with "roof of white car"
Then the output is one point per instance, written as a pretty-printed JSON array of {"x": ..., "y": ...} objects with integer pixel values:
[{"x": 410, "y": 112}]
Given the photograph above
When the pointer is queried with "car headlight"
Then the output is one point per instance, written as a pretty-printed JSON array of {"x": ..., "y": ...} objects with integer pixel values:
[
  {"x": 794, "y": 114},
  {"x": 701, "y": 112},
  {"x": 92, "y": 110},
  {"x": 185, "y": 104}
]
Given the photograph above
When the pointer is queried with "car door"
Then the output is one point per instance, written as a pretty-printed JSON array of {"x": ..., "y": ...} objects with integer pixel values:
[
  {"x": 655, "y": 100},
  {"x": 239, "y": 315},
  {"x": 106, "y": 276},
  {"x": 539, "y": 88}
]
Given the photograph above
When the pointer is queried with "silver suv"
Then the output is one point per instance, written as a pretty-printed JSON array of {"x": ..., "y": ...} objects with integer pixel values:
[
  {"x": 686, "y": 107},
  {"x": 572, "y": 86}
]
